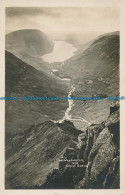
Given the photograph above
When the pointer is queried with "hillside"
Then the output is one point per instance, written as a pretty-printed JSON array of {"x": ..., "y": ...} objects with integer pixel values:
[
  {"x": 29, "y": 45},
  {"x": 94, "y": 72},
  {"x": 97, "y": 68},
  {"x": 98, "y": 149},
  {"x": 43, "y": 156},
  {"x": 40, "y": 150},
  {"x": 23, "y": 80},
  {"x": 31, "y": 155},
  {"x": 28, "y": 42}
]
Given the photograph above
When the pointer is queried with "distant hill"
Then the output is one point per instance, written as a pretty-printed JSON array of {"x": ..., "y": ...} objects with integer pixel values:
[
  {"x": 101, "y": 59},
  {"x": 94, "y": 72},
  {"x": 23, "y": 80},
  {"x": 30, "y": 45},
  {"x": 28, "y": 42}
]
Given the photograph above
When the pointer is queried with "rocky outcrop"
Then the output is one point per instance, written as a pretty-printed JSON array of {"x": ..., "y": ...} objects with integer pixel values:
[
  {"x": 92, "y": 133},
  {"x": 102, "y": 157},
  {"x": 98, "y": 147},
  {"x": 33, "y": 154},
  {"x": 58, "y": 156}
]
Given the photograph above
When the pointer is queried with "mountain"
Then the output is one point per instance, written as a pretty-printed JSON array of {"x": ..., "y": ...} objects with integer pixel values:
[
  {"x": 32, "y": 154},
  {"x": 23, "y": 80},
  {"x": 96, "y": 69},
  {"x": 59, "y": 156},
  {"x": 99, "y": 167},
  {"x": 39, "y": 151},
  {"x": 29, "y": 45},
  {"x": 28, "y": 42},
  {"x": 94, "y": 72}
]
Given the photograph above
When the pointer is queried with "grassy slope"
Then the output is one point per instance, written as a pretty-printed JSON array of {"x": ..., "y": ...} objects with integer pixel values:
[
  {"x": 94, "y": 72},
  {"x": 23, "y": 80}
]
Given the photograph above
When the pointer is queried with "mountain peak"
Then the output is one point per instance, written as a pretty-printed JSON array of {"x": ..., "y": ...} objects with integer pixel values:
[{"x": 29, "y": 42}]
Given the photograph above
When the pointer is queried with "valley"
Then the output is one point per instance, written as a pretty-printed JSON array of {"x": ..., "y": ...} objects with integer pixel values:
[{"x": 38, "y": 133}]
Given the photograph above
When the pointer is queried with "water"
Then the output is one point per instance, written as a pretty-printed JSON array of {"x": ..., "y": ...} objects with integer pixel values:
[
  {"x": 65, "y": 79},
  {"x": 54, "y": 70},
  {"x": 67, "y": 115},
  {"x": 82, "y": 120},
  {"x": 61, "y": 52},
  {"x": 71, "y": 104}
]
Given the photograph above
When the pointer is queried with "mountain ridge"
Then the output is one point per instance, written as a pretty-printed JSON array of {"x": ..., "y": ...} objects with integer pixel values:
[
  {"x": 30, "y": 42},
  {"x": 38, "y": 148},
  {"x": 24, "y": 80}
]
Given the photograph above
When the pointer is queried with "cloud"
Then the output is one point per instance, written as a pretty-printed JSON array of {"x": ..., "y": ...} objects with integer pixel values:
[
  {"x": 30, "y": 11},
  {"x": 62, "y": 19}
]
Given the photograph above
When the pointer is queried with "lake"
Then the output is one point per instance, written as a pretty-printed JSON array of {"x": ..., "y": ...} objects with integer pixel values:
[{"x": 61, "y": 52}]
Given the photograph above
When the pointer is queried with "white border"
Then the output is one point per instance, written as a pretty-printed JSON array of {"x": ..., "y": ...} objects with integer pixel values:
[{"x": 66, "y": 3}]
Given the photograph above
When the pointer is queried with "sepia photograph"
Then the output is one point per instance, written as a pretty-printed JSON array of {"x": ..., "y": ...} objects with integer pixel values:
[{"x": 62, "y": 97}]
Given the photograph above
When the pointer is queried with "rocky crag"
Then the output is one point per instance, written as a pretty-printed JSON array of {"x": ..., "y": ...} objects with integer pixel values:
[
  {"x": 94, "y": 161},
  {"x": 31, "y": 155}
]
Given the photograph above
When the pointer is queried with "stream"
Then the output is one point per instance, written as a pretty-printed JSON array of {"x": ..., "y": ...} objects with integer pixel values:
[
  {"x": 61, "y": 52},
  {"x": 67, "y": 115}
]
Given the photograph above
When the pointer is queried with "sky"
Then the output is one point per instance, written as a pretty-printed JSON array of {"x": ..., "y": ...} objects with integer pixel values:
[{"x": 57, "y": 20}]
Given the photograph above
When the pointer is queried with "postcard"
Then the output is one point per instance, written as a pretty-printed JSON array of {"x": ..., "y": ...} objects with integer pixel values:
[{"x": 62, "y": 97}]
